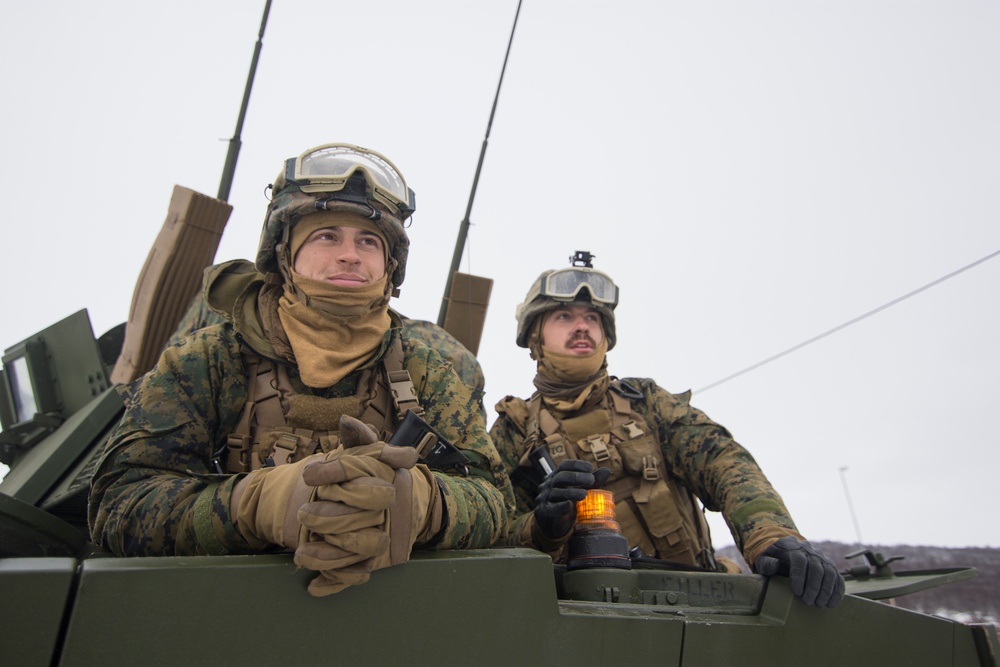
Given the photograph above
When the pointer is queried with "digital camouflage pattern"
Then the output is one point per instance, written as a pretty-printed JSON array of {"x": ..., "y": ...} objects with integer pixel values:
[
  {"x": 699, "y": 453},
  {"x": 436, "y": 338},
  {"x": 155, "y": 491},
  {"x": 199, "y": 315}
]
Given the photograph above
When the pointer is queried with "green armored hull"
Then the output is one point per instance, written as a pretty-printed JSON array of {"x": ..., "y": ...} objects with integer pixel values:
[{"x": 500, "y": 606}]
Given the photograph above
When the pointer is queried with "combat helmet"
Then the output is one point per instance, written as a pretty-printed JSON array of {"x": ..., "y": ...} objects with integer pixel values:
[
  {"x": 341, "y": 177},
  {"x": 579, "y": 284}
]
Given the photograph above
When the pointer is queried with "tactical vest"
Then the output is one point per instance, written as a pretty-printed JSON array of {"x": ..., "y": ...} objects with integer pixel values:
[
  {"x": 264, "y": 435},
  {"x": 656, "y": 513}
]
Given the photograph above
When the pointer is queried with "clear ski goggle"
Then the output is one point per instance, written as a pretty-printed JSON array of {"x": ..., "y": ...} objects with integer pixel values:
[
  {"x": 327, "y": 168},
  {"x": 565, "y": 284}
]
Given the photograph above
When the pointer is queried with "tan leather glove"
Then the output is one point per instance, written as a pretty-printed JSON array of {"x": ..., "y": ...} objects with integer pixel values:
[
  {"x": 353, "y": 493},
  {"x": 265, "y": 504},
  {"x": 347, "y": 517}
]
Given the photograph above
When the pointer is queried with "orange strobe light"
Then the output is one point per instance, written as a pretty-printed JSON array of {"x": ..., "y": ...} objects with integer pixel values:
[
  {"x": 597, "y": 539},
  {"x": 597, "y": 510}
]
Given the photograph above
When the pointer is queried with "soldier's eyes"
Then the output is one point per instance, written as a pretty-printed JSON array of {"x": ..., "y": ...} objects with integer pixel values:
[{"x": 323, "y": 235}]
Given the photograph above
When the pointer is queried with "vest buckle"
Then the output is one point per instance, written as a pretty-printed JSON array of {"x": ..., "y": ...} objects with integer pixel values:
[
  {"x": 284, "y": 446},
  {"x": 403, "y": 392},
  {"x": 632, "y": 430},
  {"x": 649, "y": 469},
  {"x": 238, "y": 453},
  {"x": 598, "y": 448},
  {"x": 426, "y": 445}
]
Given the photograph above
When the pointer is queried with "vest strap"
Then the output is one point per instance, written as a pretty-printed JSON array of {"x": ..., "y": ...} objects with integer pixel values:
[{"x": 384, "y": 394}]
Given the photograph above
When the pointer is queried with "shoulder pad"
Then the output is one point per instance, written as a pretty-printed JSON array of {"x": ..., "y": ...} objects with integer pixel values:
[
  {"x": 516, "y": 411},
  {"x": 515, "y": 408},
  {"x": 512, "y": 405}
]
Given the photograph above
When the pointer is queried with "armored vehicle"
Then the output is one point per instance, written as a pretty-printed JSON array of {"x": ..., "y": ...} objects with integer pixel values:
[{"x": 66, "y": 603}]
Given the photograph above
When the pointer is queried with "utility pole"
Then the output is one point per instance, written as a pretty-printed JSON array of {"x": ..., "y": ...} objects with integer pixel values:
[{"x": 850, "y": 505}]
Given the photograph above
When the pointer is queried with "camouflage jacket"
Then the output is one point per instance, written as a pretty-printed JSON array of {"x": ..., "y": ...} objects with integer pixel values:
[
  {"x": 158, "y": 462},
  {"x": 700, "y": 454}
]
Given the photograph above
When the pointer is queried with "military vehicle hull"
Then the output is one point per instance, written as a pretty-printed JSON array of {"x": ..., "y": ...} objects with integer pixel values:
[{"x": 498, "y": 606}]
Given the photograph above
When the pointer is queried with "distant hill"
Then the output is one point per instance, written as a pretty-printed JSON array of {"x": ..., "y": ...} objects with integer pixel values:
[{"x": 975, "y": 600}]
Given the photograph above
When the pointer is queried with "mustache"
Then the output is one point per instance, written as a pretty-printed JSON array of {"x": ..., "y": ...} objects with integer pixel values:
[{"x": 581, "y": 335}]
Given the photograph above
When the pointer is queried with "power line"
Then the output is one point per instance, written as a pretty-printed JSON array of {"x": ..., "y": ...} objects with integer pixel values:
[{"x": 847, "y": 324}]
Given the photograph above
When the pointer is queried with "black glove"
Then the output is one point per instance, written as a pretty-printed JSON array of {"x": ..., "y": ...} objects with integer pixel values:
[
  {"x": 814, "y": 576},
  {"x": 555, "y": 504}
]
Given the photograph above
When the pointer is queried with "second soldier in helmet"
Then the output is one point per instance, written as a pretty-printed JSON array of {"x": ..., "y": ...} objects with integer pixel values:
[{"x": 660, "y": 456}]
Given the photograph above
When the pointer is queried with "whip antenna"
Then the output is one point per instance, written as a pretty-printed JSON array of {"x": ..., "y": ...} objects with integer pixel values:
[
  {"x": 463, "y": 230},
  {"x": 229, "y": 170}
]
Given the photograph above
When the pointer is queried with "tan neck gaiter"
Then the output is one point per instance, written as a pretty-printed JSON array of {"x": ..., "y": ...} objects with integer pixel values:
[
  {"x": 572, "y": 367},
  {"x": 568, "y": 382},
  {"x": 586, "y": 398},
  {"x": 333, "y": 330}
]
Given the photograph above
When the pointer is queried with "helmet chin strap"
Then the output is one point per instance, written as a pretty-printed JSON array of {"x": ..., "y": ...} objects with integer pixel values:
[{"x": 390, "y": 270}]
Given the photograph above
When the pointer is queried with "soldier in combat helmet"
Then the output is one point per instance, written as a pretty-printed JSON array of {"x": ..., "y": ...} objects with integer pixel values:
[
  {"x": 584, "y": 428},
  {"x": 269, "y": 431}
]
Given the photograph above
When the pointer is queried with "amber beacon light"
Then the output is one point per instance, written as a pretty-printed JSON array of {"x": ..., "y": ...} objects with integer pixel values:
[
  {"x": 597, "y": 539},
  {"x": 597, "y": 510}
]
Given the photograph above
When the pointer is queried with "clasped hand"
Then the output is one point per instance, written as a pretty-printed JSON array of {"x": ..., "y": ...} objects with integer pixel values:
[
  {"x": 364, "y": 513},
  {"x": 344, "y": 513}
]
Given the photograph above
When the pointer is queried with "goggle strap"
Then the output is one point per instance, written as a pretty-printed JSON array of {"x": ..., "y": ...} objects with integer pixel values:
[{"x": 321, "y": 203}]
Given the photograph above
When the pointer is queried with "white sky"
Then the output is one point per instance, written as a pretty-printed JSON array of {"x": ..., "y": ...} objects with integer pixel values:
[{"x": 751, "y": 174}]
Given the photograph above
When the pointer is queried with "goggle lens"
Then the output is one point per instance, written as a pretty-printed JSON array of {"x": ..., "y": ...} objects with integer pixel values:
[
  {"x": 565, "y": 284},
  {"x": 327, "y": 168}
]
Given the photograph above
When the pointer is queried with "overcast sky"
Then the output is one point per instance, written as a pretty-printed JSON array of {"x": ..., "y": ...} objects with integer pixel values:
[{"x": 751, "y": 174}]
